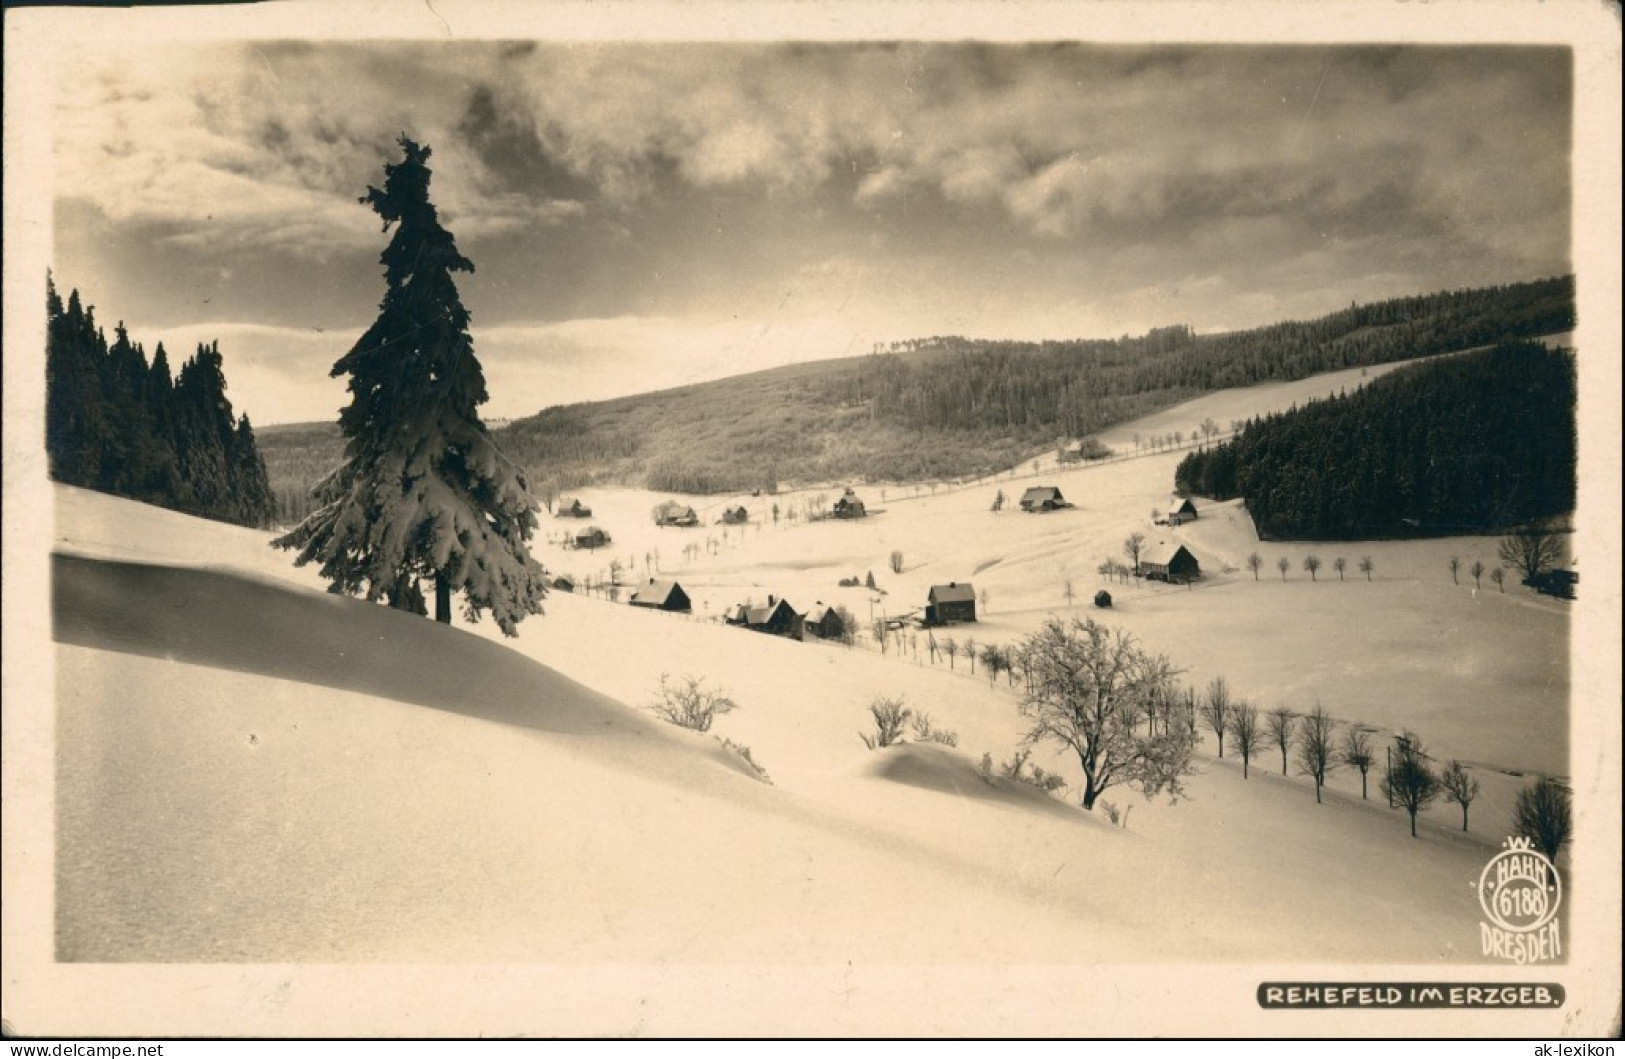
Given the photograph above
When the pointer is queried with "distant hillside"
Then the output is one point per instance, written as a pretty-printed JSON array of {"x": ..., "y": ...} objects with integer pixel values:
[
  {"x": 951, "y": 407},
  {"x": 1471, "y": 444}
]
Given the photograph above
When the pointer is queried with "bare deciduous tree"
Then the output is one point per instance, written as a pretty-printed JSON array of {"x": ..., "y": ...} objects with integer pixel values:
[
  {"x": 1133, "y": 546},
  {"x": 1069, "y": 592},
  {"x": 971, "y": 654},
  {"x": 1531, "y": 551},
  {"x": 1455, "y": 567},
  {"x": 1356, "y": 753},
  {"x": 1244, "y": 733},
  {"x": 1215, "y": 709},
  {"x": 1311, "y": 563},
  {"x": 1459, "y": 787},
  {"x": 1316, "y": 747},
  {"x": 1089, "y": 688},
  {"x": 1499, "y": 576},
  {"x": 1254, "y": 563},
  {"x": 1477, "y": 570},
  {"x": 1283, "y": 564},
  {"x": 951, "y": 646},
  {"x": 1340, "y": 564},
  {"x": 1366, "y": 566},
  {"x": 992, "y": 662},
  {"x": 1544, "y": 814},
  {"x": 896, "y": 562},
  {"x": 1411, "y": 780},
  {"x": 1279, "y": 724}
]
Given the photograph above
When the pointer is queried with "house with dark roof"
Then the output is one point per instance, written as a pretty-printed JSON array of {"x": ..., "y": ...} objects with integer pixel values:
[
  {"x": 1166, "y": 562},
  {"x": 735, "y": 516},
  {"x": 573, "y": 508},
  {"x": 1181, "y": 509},
  {"x": 672, "y": 513},
  {"x": 591, "y": 537},
  {"x": 849, "y": 506},
  {"x": 776, "y": 617},
  {"x": 1043, "y": 498},
  {"x": 564, "y": 583},
  {"x": 953, "y": 602},
  {"x": 662, "y": 595},
  {"x": 824, "y": 622}
]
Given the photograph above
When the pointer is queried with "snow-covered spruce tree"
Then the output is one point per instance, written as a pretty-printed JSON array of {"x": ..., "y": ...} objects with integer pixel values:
[{"x": 423, "y": 493}]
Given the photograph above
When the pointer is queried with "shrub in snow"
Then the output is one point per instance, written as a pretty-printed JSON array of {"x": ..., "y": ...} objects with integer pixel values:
[
  {"x": 926, "y": 732},
  {"x": 891, "y": 717},
  {"x": 743, "y": 753},
  {"x": 1016, "y": 769},
  {"x": 687, "y": 703}
]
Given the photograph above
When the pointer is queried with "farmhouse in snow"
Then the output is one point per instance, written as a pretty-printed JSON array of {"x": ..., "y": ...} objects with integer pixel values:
[
  {"x": 662, "y": 595},
  {"x": 949, "y": 603},
  {"x": 735, "y": 516},
  {"x": 572, "y": 509},
  {"x": 1043, "y": 498},
  {"x": 823, "y": 621},
  {"x": 1181, "y": 510},
  {"x": 849, "y": 506},
  {"x": 591, "y": 537},
  {"x": 672, "y": 513},
  {"x": 777, "y": 617},
  {"x": 564, "y": 583},
  {"x": 1165, "y": 562}
]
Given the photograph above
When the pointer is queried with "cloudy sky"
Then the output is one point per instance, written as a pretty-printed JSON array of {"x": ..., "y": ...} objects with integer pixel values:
[{"x": 643, "y": 215}]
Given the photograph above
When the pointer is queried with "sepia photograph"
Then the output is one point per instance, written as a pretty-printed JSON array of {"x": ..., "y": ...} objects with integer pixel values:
[{"x": 936, "y": 520}]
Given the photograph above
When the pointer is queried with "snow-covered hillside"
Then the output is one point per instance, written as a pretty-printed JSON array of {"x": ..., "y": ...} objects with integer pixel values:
[{"x": 251, "y": 770}]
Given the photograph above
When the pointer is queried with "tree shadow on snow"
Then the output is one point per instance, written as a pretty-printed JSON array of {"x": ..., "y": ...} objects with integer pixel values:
[{"x": 225, "y": 620}]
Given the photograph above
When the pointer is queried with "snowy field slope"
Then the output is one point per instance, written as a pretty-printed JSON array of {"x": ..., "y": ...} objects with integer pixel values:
[{"x": 250, "y": 769}]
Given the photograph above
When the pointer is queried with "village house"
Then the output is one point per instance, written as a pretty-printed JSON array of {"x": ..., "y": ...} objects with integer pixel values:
[
  {"x": 662, "y": 595},
  {"x": 776, "y": 617},
  {"x": 849, "y": 506},
  {"x": 564, "y": 583},
  {"x": 675, "y": 514},
  {"x": 1043, "y": 498},
  {"x": 572, "y": 508},
  {"x": 1181, "y": 510},
  {"x": 735, "y": 516},
  {"x": 824, "y": 622},
  {"x": 1172, "y": 563},
  {"x": 953, "y": 602},
  {"x": 591, "y": 537}
]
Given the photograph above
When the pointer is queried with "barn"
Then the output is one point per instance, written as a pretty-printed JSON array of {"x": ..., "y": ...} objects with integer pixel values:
[
  {"x": 777, "y": 617},
  {"x": 735, "y": 516},
  {"x": 849, "y": 506},
  {"x": 1043, "y": 498},
  {"x": 662, "y": 595},
  {"x": 1164, "y": 562},
  {"x": 953, "y": 602},
  {"x": 824, "y": 621},
  {"x": 591, "y": 537},
  {"x": 573, "y": 508}
]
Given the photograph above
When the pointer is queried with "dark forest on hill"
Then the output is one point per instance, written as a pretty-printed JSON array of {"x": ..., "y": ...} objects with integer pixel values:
[
  {"x": 946, "y": 408},
  {"x": 118, "y": 424},
  {"x": 1476, "y": 443},
  {"x": 1074, "y": 388}
]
